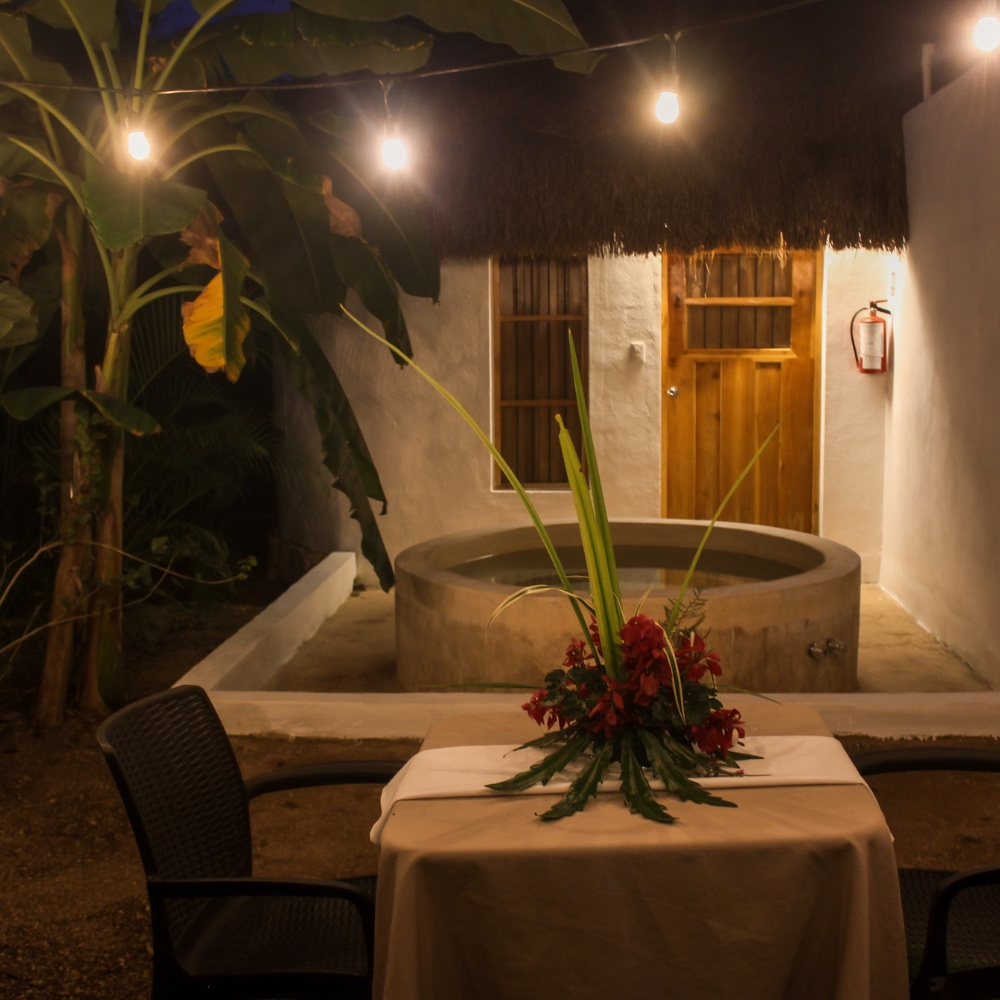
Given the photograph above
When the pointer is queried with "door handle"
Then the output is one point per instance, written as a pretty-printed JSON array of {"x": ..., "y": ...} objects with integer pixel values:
[{"x": 672, "y": 391}]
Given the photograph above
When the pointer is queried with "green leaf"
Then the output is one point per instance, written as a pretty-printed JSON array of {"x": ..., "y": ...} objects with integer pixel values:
[
  {"x": 216, "y": 323},
  {"x": 285, "y": 229},
  {"x": 124, "y": 415},
  {"x": 537, "y": 27},
  {"x": 584, "y": 787},
  {"x": 15, "y": 161},
  {"x": 23, "y": 404},
  {"x": 574, "y": 744},
  {"x": 677, "y": 782},
  {"x": 18, "y": 321},
  {"x": 127, "y": 207},
  {"x": 635, "y": 785},
  {"x": 96, "y": 18},
  {"x": 257, "y": 48},
  {"x": 599, "y": 557},
  {"x": 345, "y": 452},
  {"x": 26, "y": 213},
  {"x": 18, "y": 61},
  {"x": 361, "y": 269}
]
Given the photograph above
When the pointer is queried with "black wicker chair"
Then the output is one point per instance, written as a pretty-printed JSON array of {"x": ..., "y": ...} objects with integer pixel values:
[
  {"x": 952, "y": 918},
  {"x": 217, "y": 930}
]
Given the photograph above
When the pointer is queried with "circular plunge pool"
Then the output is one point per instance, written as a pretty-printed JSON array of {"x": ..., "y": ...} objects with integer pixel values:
[{"x": 781, "y": 607}]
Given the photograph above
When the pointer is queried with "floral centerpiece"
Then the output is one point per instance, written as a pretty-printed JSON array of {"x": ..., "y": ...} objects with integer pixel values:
[{"x": 635, "y": 693}]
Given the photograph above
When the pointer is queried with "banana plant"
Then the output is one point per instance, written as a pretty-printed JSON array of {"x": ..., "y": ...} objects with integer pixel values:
[{"x": 244, "y": 209}]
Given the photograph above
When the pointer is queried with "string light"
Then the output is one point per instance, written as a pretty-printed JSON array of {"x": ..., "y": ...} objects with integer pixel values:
[
  {"x": 138, "y": 145},
  {"x": 986, "y": 35},
  {"x": 668, "y": 107},
  {"x": 395, "y": 155}
]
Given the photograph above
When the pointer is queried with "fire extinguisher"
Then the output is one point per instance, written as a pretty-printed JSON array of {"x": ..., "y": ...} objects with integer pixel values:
[{"x": 870, "y": 347}]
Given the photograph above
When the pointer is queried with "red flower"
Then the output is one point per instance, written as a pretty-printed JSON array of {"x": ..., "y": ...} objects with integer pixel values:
[
  {"x": 609, "y": 714},
  {"x": 692, "y": 659},
  {"x": 644, "y": 646},
  {"x": 544, "y": 715},
  {"x": 576, "y": 654},
  {"x": 717, "y": 735}
]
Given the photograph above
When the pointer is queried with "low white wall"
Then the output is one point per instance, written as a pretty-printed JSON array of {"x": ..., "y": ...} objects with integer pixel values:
[
  {"x": 249, "y": 659},
  {"x": 942, "y": 531}
]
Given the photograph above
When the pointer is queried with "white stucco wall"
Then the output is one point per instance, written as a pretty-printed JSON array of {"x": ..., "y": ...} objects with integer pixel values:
[
  {"x": 436, "y": 473},
  {"x": 852, "y": 438},
  {"x": 942, "y": 530}
]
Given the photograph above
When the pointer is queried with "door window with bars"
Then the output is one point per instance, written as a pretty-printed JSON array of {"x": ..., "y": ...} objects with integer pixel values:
[
  {"x": 739, "y": 301},
  {"x": 536, "y": 303}
]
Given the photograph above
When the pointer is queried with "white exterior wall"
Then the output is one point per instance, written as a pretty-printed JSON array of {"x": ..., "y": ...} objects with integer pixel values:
[
  {"x": 437, "y": 475},
  {"x": 942, "y": 531},
  {"x": 853, "y": 419}
]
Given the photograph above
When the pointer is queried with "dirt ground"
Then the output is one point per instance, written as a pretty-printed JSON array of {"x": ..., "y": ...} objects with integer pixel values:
[{"x": 73, "y": 912}]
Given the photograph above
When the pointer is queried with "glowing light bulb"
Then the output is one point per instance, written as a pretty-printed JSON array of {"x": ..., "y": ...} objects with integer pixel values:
[
  {"x": 395, "y": 155},
  {"x": 138, "y": 145},
  {"x": 668, "y": 107},
  {"x": 986, "y": 35}
]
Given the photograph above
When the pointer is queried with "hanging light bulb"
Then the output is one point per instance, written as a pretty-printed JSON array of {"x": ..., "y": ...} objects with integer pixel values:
[
  {"x": 986, "y": 34},
  {"x": 138, "y": 145},
  {"x": 668, "y": 108},
  {"x": 395, "y": 155}
]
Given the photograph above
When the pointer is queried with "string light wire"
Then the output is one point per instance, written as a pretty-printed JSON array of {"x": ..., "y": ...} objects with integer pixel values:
[{"x": 416, "y": 74}]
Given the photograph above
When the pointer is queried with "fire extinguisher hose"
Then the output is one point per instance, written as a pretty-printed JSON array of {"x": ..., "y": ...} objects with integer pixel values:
[{"x": 854, "y": 346}]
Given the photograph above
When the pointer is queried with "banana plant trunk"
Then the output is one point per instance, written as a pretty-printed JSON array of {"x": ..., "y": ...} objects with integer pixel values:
[{"x": 73, "y": 571}]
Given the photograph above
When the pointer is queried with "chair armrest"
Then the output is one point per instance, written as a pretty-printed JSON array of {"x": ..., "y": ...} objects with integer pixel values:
[
  {"x": 870, "y": 762},
  {"x": 348, "y": 772},
  {"x": 935, "y": 960}
]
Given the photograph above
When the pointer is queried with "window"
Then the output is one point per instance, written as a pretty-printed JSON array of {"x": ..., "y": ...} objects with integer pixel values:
[
  {"x": 536, "y": 301},
  {"x": 738, "y": 301}
]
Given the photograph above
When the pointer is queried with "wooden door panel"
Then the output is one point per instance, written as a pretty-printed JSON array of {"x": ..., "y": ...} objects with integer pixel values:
[{"x": 726, "y": 388}]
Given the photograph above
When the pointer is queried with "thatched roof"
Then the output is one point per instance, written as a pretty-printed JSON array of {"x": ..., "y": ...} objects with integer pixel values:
[{"x": 791, "y": 132}]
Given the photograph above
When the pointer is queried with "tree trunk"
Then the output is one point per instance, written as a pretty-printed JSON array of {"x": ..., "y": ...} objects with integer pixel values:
[
  {"x": 102, "y": 680},
  {"x": 68, "y": 591}
]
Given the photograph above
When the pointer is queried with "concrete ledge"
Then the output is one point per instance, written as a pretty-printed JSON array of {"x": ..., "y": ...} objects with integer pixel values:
[
  {"x": 408, "y": 716},
  {"x": 236, "y": 673},
  {"x": 247, "y": 660},
  {"x": 938, "y": 713}
]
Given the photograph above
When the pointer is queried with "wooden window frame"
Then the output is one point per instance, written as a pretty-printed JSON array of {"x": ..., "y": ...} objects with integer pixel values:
[{"x": 577, "y": 322}]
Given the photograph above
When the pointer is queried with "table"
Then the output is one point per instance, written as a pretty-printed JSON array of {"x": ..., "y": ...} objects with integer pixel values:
[{"x": 793, "y": 894}]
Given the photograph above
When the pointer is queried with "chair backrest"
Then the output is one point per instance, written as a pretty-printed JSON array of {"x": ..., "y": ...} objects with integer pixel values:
[{"x": 181, "y": 785}]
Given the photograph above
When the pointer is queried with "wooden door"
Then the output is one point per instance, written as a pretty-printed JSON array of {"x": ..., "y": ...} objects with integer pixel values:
[{"x": 740, "y": 335}]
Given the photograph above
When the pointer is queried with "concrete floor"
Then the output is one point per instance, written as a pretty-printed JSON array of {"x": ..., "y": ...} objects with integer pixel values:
[{"x": 354, "y": 651}]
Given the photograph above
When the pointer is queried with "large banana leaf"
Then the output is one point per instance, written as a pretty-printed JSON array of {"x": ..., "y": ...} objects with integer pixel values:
[
  {"x": 532, "y": 27},
  {"x": 27, "y": 209},
  {"x": 360, "y": 267},
  {"x": 127, "y": 207},
  {"x": 23, "y": 404},
  {"x": 95, "y": 18},
  {"x": 285, "y": 229},
  {"x": 216, "y": 323},
  {"x": 345, "y": 453},
  {"x": 18, "y": 322},
  {"x": 257, "y": 48},
  {"x": 391, "y": 219},
  {"x": 16, "y": 161},
  {"x": 19, "y": 62}
]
